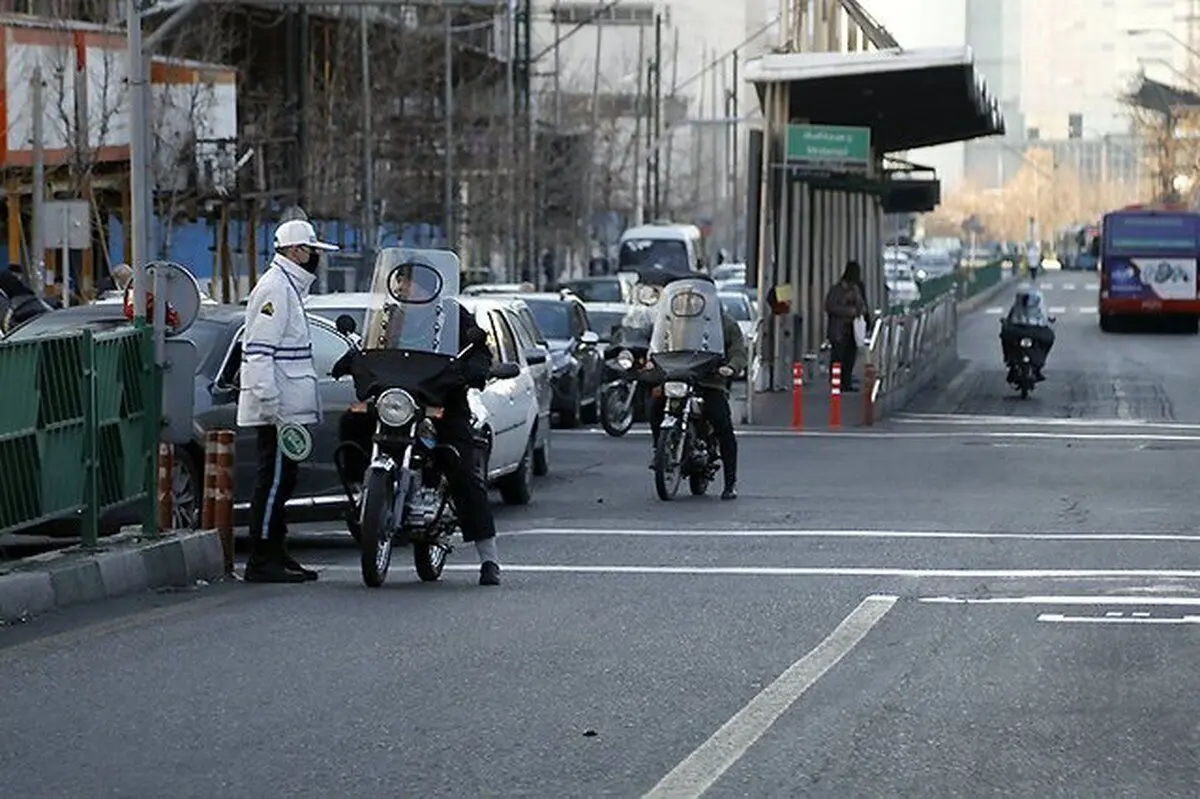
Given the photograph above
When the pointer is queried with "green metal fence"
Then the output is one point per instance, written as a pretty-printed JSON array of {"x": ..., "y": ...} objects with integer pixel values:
[
  {"x": 964, "y": 283},
  {"x": 78, "y": 428}
]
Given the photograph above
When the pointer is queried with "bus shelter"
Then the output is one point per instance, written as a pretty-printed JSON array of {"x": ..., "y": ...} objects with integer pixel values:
[{"x": 819, "y": 194}]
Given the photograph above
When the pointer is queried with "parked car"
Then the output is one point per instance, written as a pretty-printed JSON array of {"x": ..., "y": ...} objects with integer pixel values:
[
  {"x": 605, "y": 288},
  {"x": 739, "y": 306},
  {"x": 575, "y": 360},
  {"x": 517, "y": 429}
]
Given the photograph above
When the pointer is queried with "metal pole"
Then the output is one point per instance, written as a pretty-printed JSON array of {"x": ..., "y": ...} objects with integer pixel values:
[
  {"x": 557, "y": 71},
  {"x": 37, "y": 239},
  {"x": 368, "y": 154},
  {"x": 137, "y": 159},
  {"x": 637, "y": 130},
  {"x": 735, "y": 188},
  {"x": 511, "y": 252},
  {"x": 64, "y": 258},
  {"x": 448, "y": 109},
  {"x": 658, "y": 20},
  {"x": 590, "y": 197},
  {"x": 670, "y": 132},
  {"x": 717, "y": 163}
]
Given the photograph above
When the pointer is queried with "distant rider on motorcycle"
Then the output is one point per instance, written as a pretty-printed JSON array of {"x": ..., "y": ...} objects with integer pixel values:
[
  {"x": 714, "y": 390},
  {"x": 1027, "y": 318}
]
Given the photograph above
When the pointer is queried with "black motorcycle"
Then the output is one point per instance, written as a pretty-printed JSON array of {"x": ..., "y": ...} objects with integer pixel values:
[
  {"x": 404, "y": 496},
  {"x": 622, "y": 394},
  {"x": 687, "y": 445}
]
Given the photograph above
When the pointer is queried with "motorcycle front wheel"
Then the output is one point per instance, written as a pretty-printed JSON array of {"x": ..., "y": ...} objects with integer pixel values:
[
  {"x": 375, "y": 526},
  {"x": 667, "y": 463},
  {"x": 616, "y": 409}
]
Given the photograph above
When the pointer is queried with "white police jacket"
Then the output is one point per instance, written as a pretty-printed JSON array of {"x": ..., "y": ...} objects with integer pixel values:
[{"x": 278, "y": 380}]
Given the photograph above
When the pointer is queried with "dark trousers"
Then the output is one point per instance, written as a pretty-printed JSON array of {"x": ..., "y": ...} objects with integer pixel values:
[
  {"x": 468, "y": 484},
  {"x": 845, "y": 352},
  {"x": 274, "y": 484},
  {"x": 718, "y": 414}
]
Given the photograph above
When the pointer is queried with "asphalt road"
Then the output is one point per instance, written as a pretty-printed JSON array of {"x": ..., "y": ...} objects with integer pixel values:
[{"x": 982, "y": 597}]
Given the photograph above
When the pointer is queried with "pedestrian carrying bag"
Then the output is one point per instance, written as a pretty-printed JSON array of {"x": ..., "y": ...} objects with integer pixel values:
[{"x": 860, "y": 332}]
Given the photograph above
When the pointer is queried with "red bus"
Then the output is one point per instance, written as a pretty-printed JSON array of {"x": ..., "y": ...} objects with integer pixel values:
[{"x": 1148, "y": 265}]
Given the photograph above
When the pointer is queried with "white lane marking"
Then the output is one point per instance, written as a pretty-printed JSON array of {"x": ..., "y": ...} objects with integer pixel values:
[
  {"x": 995, "y": 311},
  {"x": 1092, "y": 287},
  {"x": 1059, "y": 618},
  {"x": 1075, "y": 600},
  {"x": 1088, "y": 309},
  {"x": 1035, "y": 421},
  {"x": 824, "y": 571},
  {"x": 883, "y": 434},
  {"x": 939, "y": 535},
  {"x": 1068, "y": 286},
  {"x": 1057, "y": 309},
  {"x": 1046, "y": 285},
  {"x": 700, "y": 770}
]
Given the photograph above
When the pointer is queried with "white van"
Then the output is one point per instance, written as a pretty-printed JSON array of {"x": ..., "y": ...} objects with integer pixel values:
[{"x": 674, "y": 247}]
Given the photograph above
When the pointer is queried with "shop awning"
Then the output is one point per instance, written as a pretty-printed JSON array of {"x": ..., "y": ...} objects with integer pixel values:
[{"x": 908, "y": 98}]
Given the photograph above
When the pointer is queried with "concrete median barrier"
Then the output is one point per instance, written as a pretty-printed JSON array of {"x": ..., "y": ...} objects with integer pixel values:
[{"x": 126, "y": 564}]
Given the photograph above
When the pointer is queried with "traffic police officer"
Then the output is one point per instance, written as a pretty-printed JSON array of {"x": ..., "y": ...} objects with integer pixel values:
[{"x": 278, "y": 387}]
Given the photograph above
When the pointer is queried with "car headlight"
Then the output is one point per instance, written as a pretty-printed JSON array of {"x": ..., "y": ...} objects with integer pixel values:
[
  {"x": 625, "y": 360},
  {"x": 396, "y": 407},
  {"x": 675, "y": 389},
  {"x": 1026, "y": 342}
]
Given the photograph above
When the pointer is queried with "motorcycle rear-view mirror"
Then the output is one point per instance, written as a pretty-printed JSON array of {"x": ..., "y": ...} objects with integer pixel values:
[
  {"x": 1053, "y": 319},
  {"x": 505, "y": 371},
  {"x": 345, "y": 324}
]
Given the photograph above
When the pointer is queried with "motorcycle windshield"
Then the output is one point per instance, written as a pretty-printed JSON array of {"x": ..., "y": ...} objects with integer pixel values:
[
  {"x": 413, "y": 305},
  {"x": 688, "y": 320}
]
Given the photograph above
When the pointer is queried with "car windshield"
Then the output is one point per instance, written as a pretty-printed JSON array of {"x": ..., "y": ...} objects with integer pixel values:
[
  {"x": 596, "y": 290},
  {"x": 670, "y": 254},
  {"x": 603, "y": 322},
  {"x": 737, "y": 306},
  {"x": 553, "y": 318}
]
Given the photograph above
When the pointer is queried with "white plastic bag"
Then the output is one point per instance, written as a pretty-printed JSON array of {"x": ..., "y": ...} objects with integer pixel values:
[{"x": 860, "y": 332}]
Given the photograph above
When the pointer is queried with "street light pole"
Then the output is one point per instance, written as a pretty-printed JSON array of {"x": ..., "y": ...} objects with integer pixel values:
[{"x": 138, "y": 163}]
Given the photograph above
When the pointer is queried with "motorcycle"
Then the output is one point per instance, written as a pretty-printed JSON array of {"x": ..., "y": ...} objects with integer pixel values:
[
  {"x": 1022, "y": 376},
  {"x": 687, "y": 445},
  {"x": 403, "y": 498},
  {"x": 623, "y": 394}
]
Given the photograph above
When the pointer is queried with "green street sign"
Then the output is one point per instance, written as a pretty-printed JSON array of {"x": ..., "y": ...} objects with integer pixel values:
[{"x": 830, "y": 147}]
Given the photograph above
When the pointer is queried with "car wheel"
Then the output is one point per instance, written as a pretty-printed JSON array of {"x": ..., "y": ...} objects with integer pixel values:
[
  {"x": 541, "y": 457},
  {"x": 517, "y": 488},
  {"x": 186, "y": 483}
]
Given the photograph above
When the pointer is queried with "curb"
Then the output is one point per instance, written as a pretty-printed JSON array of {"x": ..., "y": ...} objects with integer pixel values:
[{"x": 126, "y": 564}]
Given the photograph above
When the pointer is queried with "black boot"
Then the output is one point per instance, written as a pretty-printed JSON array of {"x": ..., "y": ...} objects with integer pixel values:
[
  {"x": 290, "y": 563},
  {"x": 489, "y": 573},
  {"x": 266, "y": 565},
  {"x": 730, "y": 491}
]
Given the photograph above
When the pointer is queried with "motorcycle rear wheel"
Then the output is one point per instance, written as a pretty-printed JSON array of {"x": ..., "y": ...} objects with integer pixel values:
[
  {"x": 375, "y": 527},
  {"x": 667, "y": 473},
  {"x": 612, "y": 401}
]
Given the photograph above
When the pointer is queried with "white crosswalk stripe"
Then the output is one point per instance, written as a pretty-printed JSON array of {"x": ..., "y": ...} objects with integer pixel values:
[{"x": 1055, "y": 309}]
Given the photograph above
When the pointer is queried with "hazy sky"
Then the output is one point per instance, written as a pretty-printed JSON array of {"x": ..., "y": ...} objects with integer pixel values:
[{"x": 927, "y": 23}]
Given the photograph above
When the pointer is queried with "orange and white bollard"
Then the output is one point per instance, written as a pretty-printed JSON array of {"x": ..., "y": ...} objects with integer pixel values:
[
  {"x": 207, "y": 507},
  {"x": 835, "y": 395},
  {"x": 797, "y": 396},
  {"x": 223, "y": 495},
  {"x": 870, "y": 377},
  {"x": 164, "y": 501}
]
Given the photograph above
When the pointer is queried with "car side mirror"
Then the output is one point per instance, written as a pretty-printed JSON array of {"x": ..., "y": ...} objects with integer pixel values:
[
  {"x": 346, "y": 324},
  {"x": 535, "y": 356},
  {"x": 589, "y": 338},
  {"x": 505, "y": 371}
]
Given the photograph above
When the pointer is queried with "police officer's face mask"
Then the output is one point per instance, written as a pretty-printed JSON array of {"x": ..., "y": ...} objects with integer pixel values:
[{"x": 310, "y": 259}]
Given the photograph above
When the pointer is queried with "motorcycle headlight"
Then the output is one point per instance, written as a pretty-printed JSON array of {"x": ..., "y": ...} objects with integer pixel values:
[
  {"x": 625, "y": 360},
  {"x": 1026, "y": 342},
  {"x": 675, "y": 389},
  {"x": 396, "y": 407}
]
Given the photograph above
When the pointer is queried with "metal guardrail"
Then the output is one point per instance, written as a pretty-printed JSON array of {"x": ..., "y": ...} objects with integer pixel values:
[
  {"x": 79, "y": 425},
  {"x": 900, "y": 346}
]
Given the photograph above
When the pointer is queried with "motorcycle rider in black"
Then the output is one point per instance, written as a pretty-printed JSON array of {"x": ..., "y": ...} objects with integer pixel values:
[
  {"x": 1027, "y": 318},
  {"x": 715, "y": 392},
  {"x": 468, "y": 484}
]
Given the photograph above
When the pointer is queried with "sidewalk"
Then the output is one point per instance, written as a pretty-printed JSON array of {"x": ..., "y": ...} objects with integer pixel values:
[
  {"x": 125, "y": 564},
  {"x": 773, "y": 409}
]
